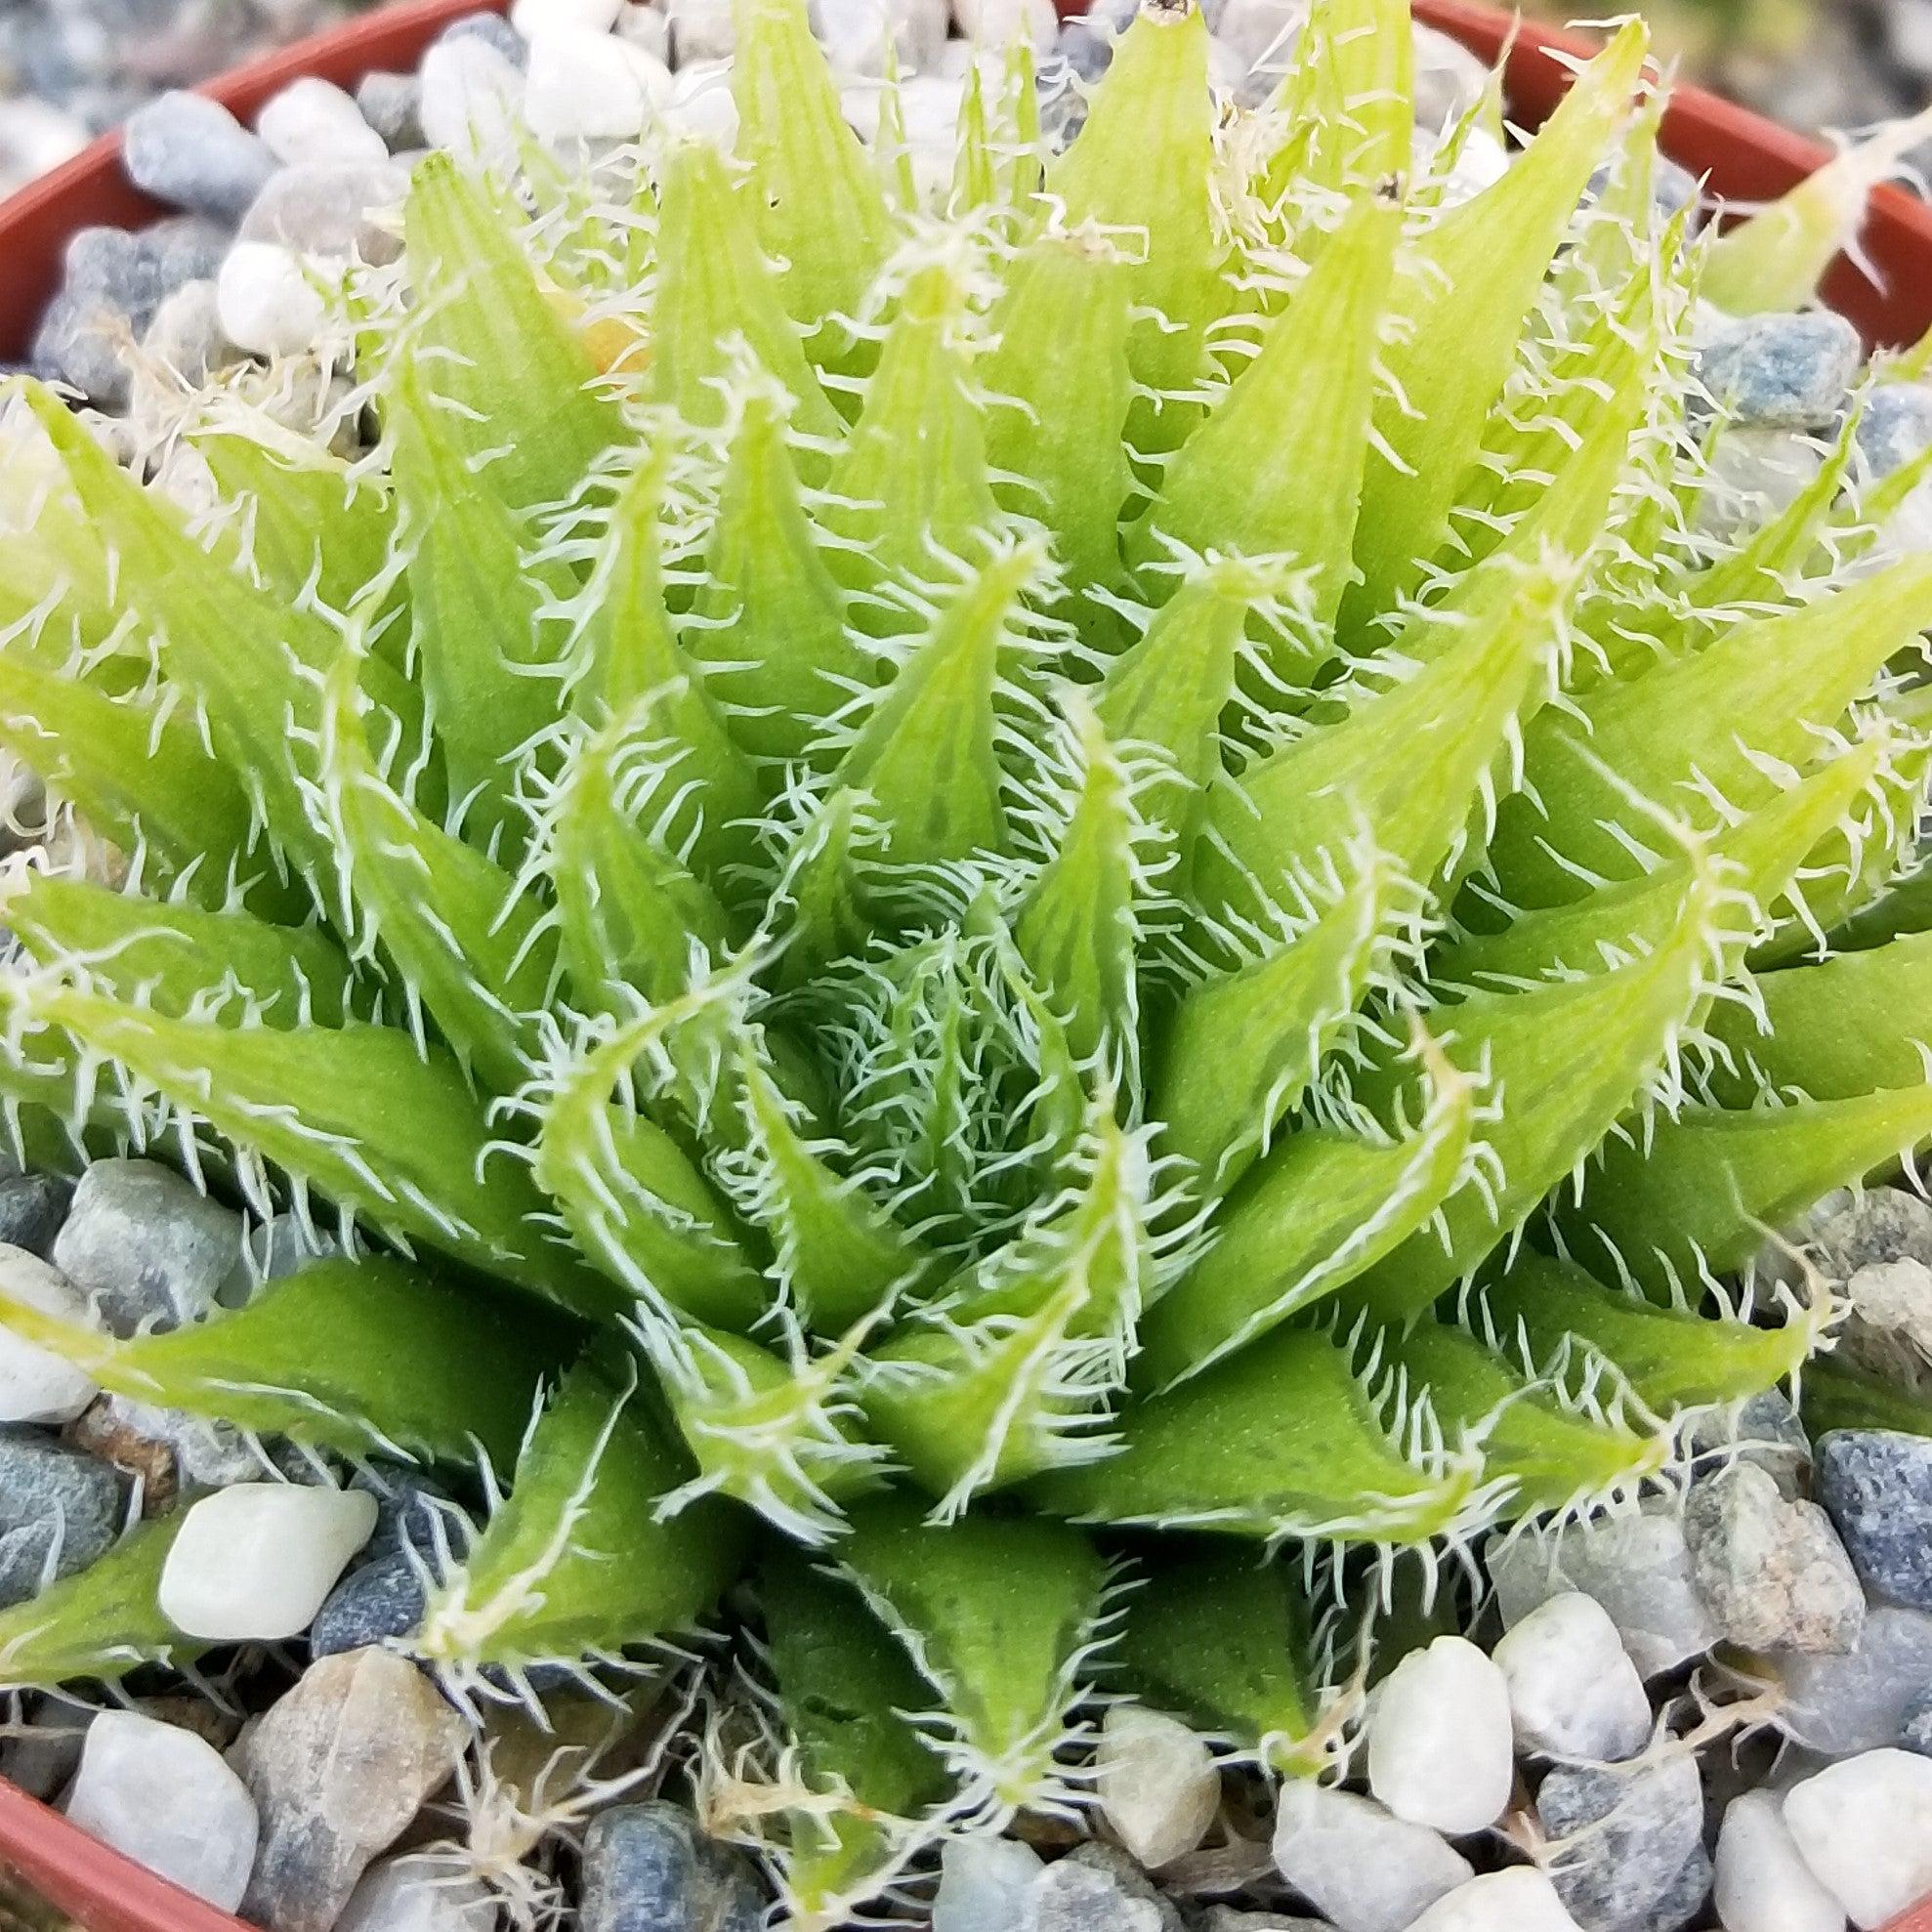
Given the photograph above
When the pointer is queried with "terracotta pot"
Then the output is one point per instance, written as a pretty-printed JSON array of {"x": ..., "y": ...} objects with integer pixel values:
[{"x": 1746, "y": 158}]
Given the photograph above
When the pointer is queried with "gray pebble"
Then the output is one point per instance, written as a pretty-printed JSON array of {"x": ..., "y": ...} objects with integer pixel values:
[
  {"x": 1838, "y": 1706},
  {"x": 325, "y": 208},
  {"x": 494, "y": 29},
  {"x": 1681, "y": 1901},
  {"x": 1764, "y": 1431},
  {"x": 1673, "y": 186},
  {"x": 147, "y": 1246},
  {"x": 1773, "y": 1572},
  {"x": 1896, "y": 427},
  {"x": 185, "y": 248},
  {"x": 50, "y": 1495},
  {"x": 1229, "y": 1918},
  {"x": 191, "y": 153},
  {"x": 113, "y": 268},
  {"x": 1623, "y": 1837},
  {"x": 84, "y": 343},
  {"x": 406, "y": 1510},
  {"x": 1782, "y": 371},
  {"x": 1083, "y": 51},
  {"x": 1098, "y": 1888},
  {"x": 1877, "y": 1485},
  {"x": 1916, "y": 1728},
  {"x": 33, "y": 1208},
  {"x": 1885, "y": 1225},
  {"x": 645, "y": 1869},
  {"x": 380, "y": 1600},
  {"x": 392, "y": 104}
]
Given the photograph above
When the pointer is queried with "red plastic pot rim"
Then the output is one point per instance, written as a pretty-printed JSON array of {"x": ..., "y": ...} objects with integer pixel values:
[{"x": 1745, "y": 158}]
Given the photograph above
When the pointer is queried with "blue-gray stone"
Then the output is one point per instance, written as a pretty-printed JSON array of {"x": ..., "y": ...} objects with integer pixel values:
[
  {"x": 114, "y": 269},
  {"x": 1877, "y": 1484},
  {"x": 33, "y": 1208},
  {"x": 1094, "y": 1888},
  {"x": 406, "y": 1510},
  {"x": 1673, "y": 188},
  {"x": 84, "y": 343},
  {"x": 496, "y": 30},
  {"x": 50, "y": 1495},
  {"x": 1896, "y": 427},
  {"x": 1681, "y": 1901},
  {"x": 1916, "y": 1727},
  {"x": 392, "y": 104},
  {"x": 191, "y": 153},
  {"x": 1082, "y": 50},
  {"x": 382, "y": 1599},
  {"x": 645, "y": 1869},
  {"x": 1621, "y": 1839},
  {"x": 1782, "y": 371},
  {"x": 185, "y": 248}
]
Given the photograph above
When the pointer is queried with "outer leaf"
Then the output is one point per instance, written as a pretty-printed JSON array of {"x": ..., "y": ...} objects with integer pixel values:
[
  {"x": 102, "y": 1622},
  {"x": 351, "y": 1356},
  {"x": 1700, "y": 1192},
  {"x": 1282, "y": 1440},
  {"x": 1672, "y": 1358},
  {"x": 1470, "y": 283},
  {"x": 581, "y": 1562},
  {"x": 1219, "y": 1637},
  {"x": 383, "y": 1129},
  {"x": 999, "y": 1615},
  {"x": 1558, "y": 1447}
]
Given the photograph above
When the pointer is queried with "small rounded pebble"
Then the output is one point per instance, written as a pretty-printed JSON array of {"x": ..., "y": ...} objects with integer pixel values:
[
  {"x": 1572, "y": 1690},
  {"x": 332, "y": 208},
  {"x": 1896, "y": 429},
  {"x": 149, "y": 1250},
  {"x": 1763, "y": 1883},
  {"x": 268, "y": 301},
  {"x": 1440, "y": 1739},
  {"x": 33, "y": 1208},
  {"x": 419, "y": 1892},
  {"x": 648, "y": 1865},
  {"x": 191, "y": 153},
  {"x": 36, "y": 1385},
  {"x": 700, "y": 30},
  {"x": 1093, "y": 1888},
  {"x": 857, "y": 34},
  {"x": 579, "y": 88},
  {"x": 311, "y": 120},
  {"x": 472, "y": 96},
  {"x": 393, "y": 105},
  {"x": 164, "y": 1798},
  {"x": 646, "y": 27},
  {"x": 381, "y": 1600},
  {"x": 254, "y": 1562},
  {"x": 60, "y": 1509},
  {"x": 999, "y": 24},
  {"x": 983, "y": 1884},
  {"x": 1781, "y": 371},
  {"x": 1864, "y": 1827},
  {"x": 533, "y": 16},
  {"x": 1773, "y": 1571},
  {"x": 84, "y": 344},
  {"x": 1623, "y": 1842},
  {"x": 1877, "y": 1485},
  {"x": 1361, "y": 1867},
  {"x": 1157, "y": 1784},
  {"x": 1915, "y": 1726},
  {"x": 1518, "y": 1900},
  {"x": 1837, "y": 1706}
]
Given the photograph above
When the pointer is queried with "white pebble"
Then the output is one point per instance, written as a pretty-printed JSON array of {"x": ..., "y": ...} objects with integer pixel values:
[
  {"x": 36, "y": 1385},
  {"x": 997, "y": 23},
  {"x": 531, "y": 18},
  {"x": 419, "y": 1892},
  {"x": 1763, "y": 1883},
  {"x": 1572, "y": 1690},
  {"x": 646, "y": 29},
  {"x": 1440, "y": 1750},
  {"x": 267, "y": 301},
  {"x": 254, "y": 1562},
  {"x": 1518, "y": 1900},
  {"x": 164, "y": 1798},
  {"x": 1158, "y": 1784},
  {"x": 983, "y": 1884},
  {"x": 1481, "y": 161},
  {"x": 1363, "y": 1868},
  {"x": 1864, "y": 1827},
  {"x": 580, "y": 87},
  {"x": 855, "y": 34},
  {"x": 309, "y": 120},
  {"x": 473, "y": 98}
]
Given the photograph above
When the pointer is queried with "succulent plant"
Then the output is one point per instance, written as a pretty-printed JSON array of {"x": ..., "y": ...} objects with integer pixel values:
[{"x": 1018, "y": 923}]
